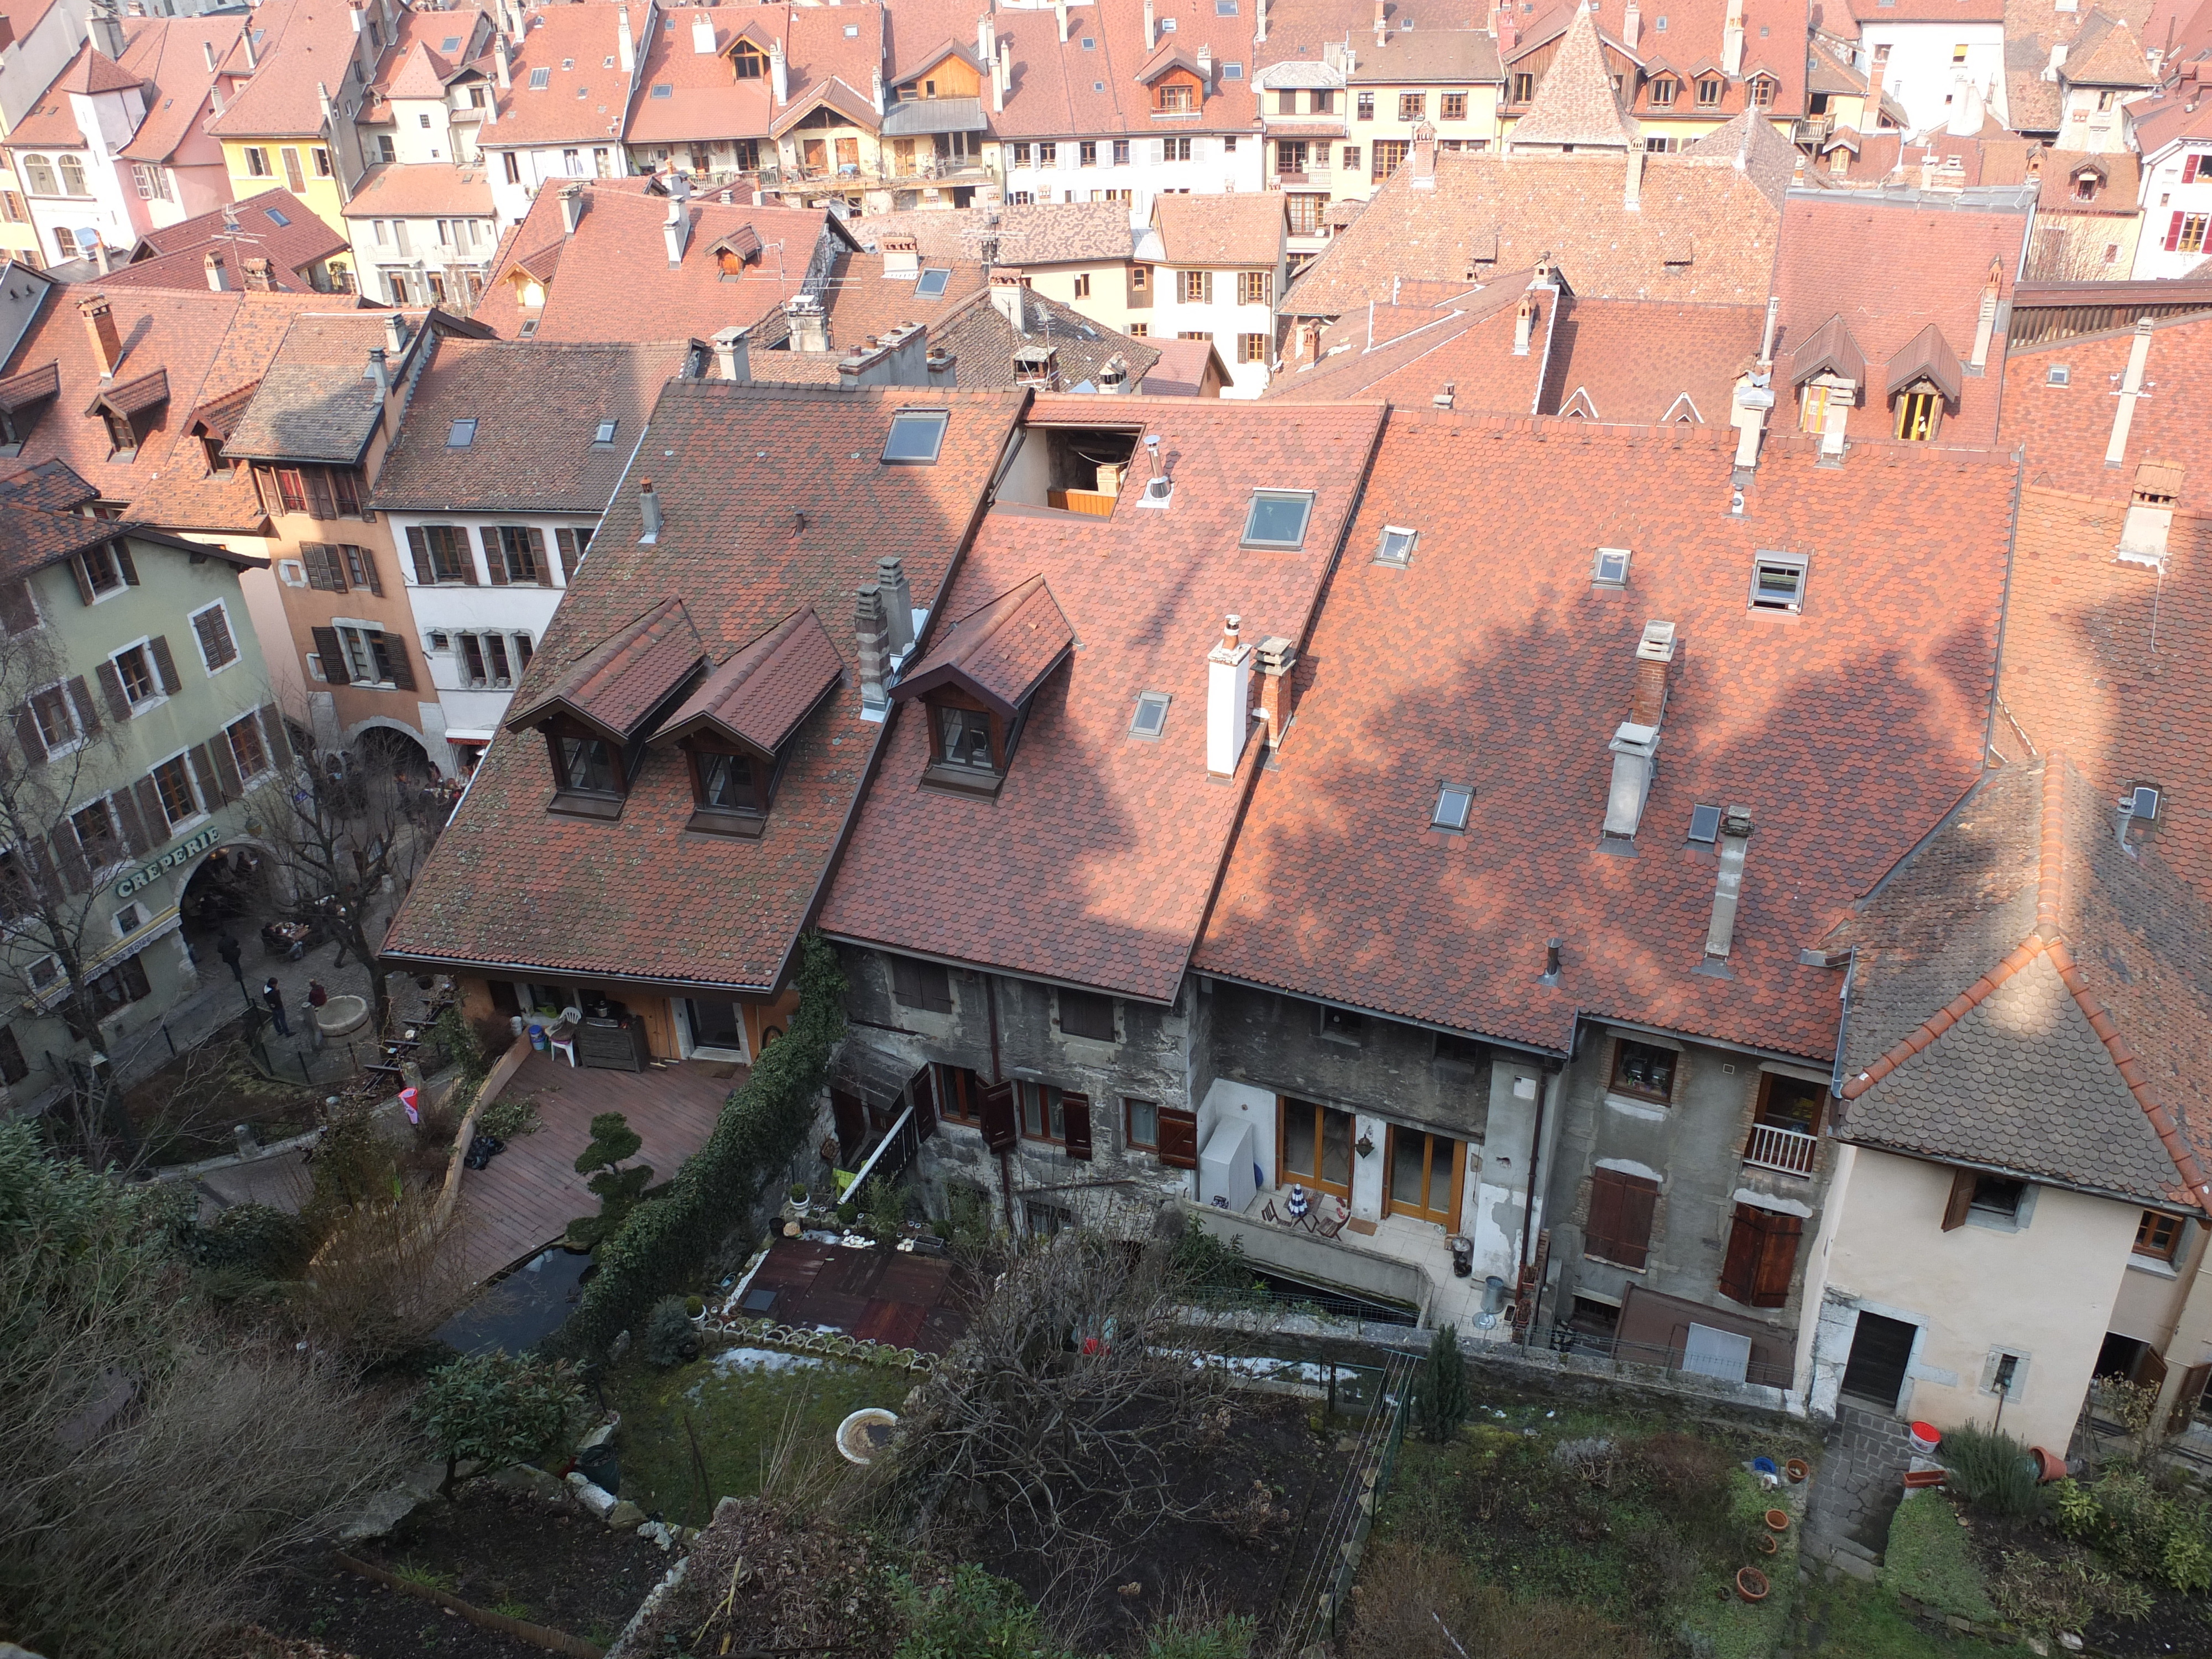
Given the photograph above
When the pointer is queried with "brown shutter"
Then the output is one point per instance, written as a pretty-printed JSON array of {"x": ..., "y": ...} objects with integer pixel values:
[
  {"x": 83, "y": 582},
  {"x": 319, "y": 494},
  {"x": 464, "y": 553},
  {"x": 1962, "y": 1196},
  {"x": 570, "y": 556},
  {"x": 111, "y": 686},
  {"x": 88, "y": 711},
  {"x": 1777, "y": 1258},
  {"x": 2186, "y": 1396},
  {"x": 369, "y": 570},
  {"x": 18, "y": 614},
  {"x": 1178, "y": 1147},
  {"x": 134, "y": 826},
  {"x": 26, "y": 733},
  {"x": 211, "y": 795},
  {"x": 167, "y": 666},
  {"x": 2150, "y": 1368},
  {"x": 225, "y": 766},
  {"x": 922, "y": 1091},
  {"x": 1075, "y": 1114},
  {"x": 1601, "y": 1231},
  {"x": 123, "y": 561},
  {"x": 851, "y": 1117},
  {"x": 1638, "y": 1198},
  {"x": 403, "y": 671},
  {"x": 1000, "y": 1131},
  {"x": 69, "y": 859},
  {"x": 494, "y": 546},
  {"x": 333, "y": 657},
  {"x": 1620, "y": 1225},
  {"x": 418, "y": 549},
  {"x": 151, "y": 809},
  {"x": 1740, "y": 1268},
  {"x": 273, "y": 734},
  {"x": 537, "y": 554}
]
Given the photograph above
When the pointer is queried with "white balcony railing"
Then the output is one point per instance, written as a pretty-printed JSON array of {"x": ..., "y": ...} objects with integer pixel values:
[{"x": 1789, "y": 1151}]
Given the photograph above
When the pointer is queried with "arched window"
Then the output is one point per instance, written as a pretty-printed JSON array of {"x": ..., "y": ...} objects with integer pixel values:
[
  {"x": 72, "y": 169},
  {"x": 39, "y": 176}
]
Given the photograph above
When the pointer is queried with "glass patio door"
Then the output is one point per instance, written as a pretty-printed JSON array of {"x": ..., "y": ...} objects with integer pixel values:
[
  {"x": 1424, "y": 1177},
  {"x": 1316, "y": 1143}
]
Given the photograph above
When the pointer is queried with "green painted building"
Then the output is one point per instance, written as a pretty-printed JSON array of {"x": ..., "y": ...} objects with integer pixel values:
[{"x": 138, "y": 724}]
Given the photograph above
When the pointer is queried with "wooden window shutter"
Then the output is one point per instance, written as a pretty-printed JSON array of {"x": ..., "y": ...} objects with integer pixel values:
[
  {"x": 151, "y": 809},
  {"x": 1619, "y": 1227},
  {"x": 495, "y": 547},
  {"x": 19, "y": 613},
  {"x": 1962, "y": 1198},
  {"x": 213, "y": 637},
  {"x": 2150, "y": 1369},
  {"x": 68, "y": 860},
  {"x": 418, "y": 549},
  {"x": 332, "y": 655},
  {"x": 2192, "y": 1385},
  {"x": 110, "y": 687},
  {"x": 537, "y": 554},
  {"x": 1178, "y": 1138},
  {"x": 2173, "y": 232},
  {"x": 122, "y": 562},
  {"x": 403, "y": 671},
  {"x": 922, "y": 1091},
  {"x": 1638, "y": 1198},
  {"x": 166, "y": 665},
  {"x": 211, "y": 781},
  {"x": 88, "y": 711},
  {"x": 1603, "y": 1226},
  {"x": 1777, "y": 1258},
  {"x": 83, "y": 580},
  {"x": 26, "y": 733},
  {"x": 572, "y": 552},
  {"x": 851, "y": 1117},
  {"x": 225, "y": 766},
  {"x": 320, "y": 501},
  {"x": 134, "y": 827},
  {"x": 272, "y": 733},
  {"x": 1075, "y": 1113},
  {"x": 367, "y": 556},
  {"x": 1000, "y": 1129}
]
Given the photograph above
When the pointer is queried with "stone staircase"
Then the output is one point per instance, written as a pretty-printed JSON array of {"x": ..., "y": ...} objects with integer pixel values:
[{"x": 1860, "y": 1484}]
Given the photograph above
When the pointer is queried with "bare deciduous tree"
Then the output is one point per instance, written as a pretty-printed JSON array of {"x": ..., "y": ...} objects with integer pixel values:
[{"x": 2073, "y": 249}]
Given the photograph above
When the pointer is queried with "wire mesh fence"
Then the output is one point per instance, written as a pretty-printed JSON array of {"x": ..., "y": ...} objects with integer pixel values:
[{"x": 1379, "y": 1396}]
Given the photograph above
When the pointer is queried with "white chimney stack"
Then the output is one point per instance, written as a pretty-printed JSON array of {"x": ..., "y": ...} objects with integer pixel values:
[
  {"x": 1634, "y": 197},
  {"x": 1732, "y": 42},
  {"x": 1524, "y": 321},
  {"x": 778, "y": 74},
  {"x": 625, "y": 43},
  {"x": 500, "y": 63},
  {"x": 217, "y": 278},
  {"x": 676, "y": 230},
  {"x": 1631, "y": 26},
  {"x": 1228, "y": 701},
  {"x": 1985, "y": 325},
  {"x": 2131, "y": 388},
  {"x": 1059, "y": 11},
  {"x": 379, "y": 371},
  {"x": 703, "y": 34},
  {"x": 2149, "y": 522},
  {"x": 1728, "y": 891},
  {"x": 648, "y": 513},
  {"x": 732, "y": 359}
]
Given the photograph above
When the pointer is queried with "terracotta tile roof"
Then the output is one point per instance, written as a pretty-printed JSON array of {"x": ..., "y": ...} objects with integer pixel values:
[
  {"x": 759, "y": 695},
  {"x": 1927, "y": 11},
  {"x": 1179, "y": 369},
  {"x": 704, "y": 98},
  {"x": 1060, "y": 233},
  {"x": 1750, "y": 144},
  {"x": 861, "y": 302},
  {"x": 2066, "y": 428},
  {"x": 613, "y": 275},
  {"x": 2167, "y": 116},
  {"x": 941, "y": 235},
  {"x": 317, "y": 401},
  {"x": 848, "y": 103},
  {"x": 424, "y": 189},
  {"x": 2026, "y": 996},
  {"x": 1574, "y": 102},
  {"x": 624, "y": 679},
  {"x": 39, "y": 523},
  {"x": 1105, "y": 849},
  {"x": 509, "y": 885},
  {"x": 206, "y": 344},
  {"x": 310, "y": 43},
  {"x": 780, "y": 365},
  {"x": 1000, "y": 652},
  {"x": 1695, "y": 36},
  {"x": 93, "y": 71},
  {"x": 1490, "y": 661},
  {"x": 585, "y": 100},
  {"x": 131, "y": 397},
  {"x": 1518, "y": 208},
  {"x": 176, "y": 256},
  {"x": 1467, "y": 344},
  {"x": 1433, "y": 57},
  {"x": 418, "y": 63},
  {"x": 1063, "y": 88},
  {"x": 2109, "y": 55},
  {"x": 1221, "y": 230},
  {"x": 2031, "y": 28},
  {"x": 984, "y": 342},
  {"x": 169, "y": 54},
  {"x": 538, "y": 405},
  {"x": 1643, "y": 362},
  {"x": 1831, "y": 72},
  {"x": 1935, "y": 256}
]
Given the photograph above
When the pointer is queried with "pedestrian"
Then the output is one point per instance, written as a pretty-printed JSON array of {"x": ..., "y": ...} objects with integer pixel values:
[
  {"x": 275, "y": 998},
  {"x": 228, "y": 949},
  {"x": 317, "y": 996}
]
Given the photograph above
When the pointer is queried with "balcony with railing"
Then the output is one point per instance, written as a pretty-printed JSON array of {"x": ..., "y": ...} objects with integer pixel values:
[
  {"x": 1814, "y": 129},
  {"x": 1774, "y": 1147}
]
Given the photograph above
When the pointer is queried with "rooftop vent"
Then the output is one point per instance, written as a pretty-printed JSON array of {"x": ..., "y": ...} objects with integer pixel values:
[{"x": 1727, "y": 892}]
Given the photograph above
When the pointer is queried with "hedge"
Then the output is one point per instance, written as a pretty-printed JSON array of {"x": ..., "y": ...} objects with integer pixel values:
[{"x": 661, "y": 1245}]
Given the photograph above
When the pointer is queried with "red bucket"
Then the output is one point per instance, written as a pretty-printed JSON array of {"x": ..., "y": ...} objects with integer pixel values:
[{"x": 1926, "y": 1436}]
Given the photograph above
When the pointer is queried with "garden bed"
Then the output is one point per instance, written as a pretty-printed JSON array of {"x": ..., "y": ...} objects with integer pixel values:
[{"x": 498, "y": 1551}]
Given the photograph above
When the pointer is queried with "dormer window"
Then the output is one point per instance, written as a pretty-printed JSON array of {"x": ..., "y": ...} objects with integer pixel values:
[
  {"x": 212, "y": 447},
  {"x": 735, "y": 730},
  {"x": 977, "y": 684},
  {"x": 586, "y": 764},
  {"x": 122, "y": 436},
  {"x": 751, "y": 63},
  {"x": 1708, "y": 93},
  {"x": 1663, "y": 91},
  {"x": 1177, "y": 97},
  {"x": 1762, "y": 93},
  {"x": 2084, "y": 187},
  {"x": 965, "y": 739}
]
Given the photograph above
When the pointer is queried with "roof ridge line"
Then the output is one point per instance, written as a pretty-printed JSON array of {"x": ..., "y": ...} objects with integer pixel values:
[
  {"x": 1921, "y": 1035},
  {"x": 2051, "y": 850}
]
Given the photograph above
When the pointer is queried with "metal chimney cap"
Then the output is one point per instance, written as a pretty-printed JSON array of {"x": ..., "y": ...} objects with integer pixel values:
[
  {"x": 1737, "y": 821},
  {"x": 1657, "y": 644}
]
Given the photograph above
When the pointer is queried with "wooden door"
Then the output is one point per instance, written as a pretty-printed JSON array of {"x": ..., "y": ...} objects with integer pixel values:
[
  {"x": 1313, "y": 1146},
  {"x": 1421, "y": 1176},
  {"x": 294, "y": 178},
  {"x": 1881, "y": 1350}
]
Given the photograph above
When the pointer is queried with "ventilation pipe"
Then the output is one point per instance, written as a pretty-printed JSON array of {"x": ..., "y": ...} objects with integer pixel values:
[
  {"x": 1228, "y": 701},
  {"x": 1728, "y": 891}
]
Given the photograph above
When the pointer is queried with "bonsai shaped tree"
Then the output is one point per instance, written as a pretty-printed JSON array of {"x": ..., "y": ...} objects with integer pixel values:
[
  {"x": 495, "y": 1409},
  {"x": 618, "y": 1188},
  {"x": 1441, "y": 1397}
]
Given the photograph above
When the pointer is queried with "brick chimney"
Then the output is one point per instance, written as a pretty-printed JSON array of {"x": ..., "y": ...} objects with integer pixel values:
[
  {"x": 106, "y": 343},
  {"x": 870, "y": 622},
  {"x": 1228, "y": 701},
  {"x": 1424, "y": 160},
  {"x": 1872, "y": 114},
  {"x": 2150, "y": 514},
  {"x": 1278, "y": 657},
  {"x": 1631, "y": 26},
  {"x": 1381, "y": 23},
  {"x": 648, "y": 513},
  {"x": 1655, "y": 658},
  {"x": 258, "y": 277}
]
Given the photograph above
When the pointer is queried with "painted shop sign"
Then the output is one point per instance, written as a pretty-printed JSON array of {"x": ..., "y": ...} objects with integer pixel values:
[{"x": 147, "y": 875}]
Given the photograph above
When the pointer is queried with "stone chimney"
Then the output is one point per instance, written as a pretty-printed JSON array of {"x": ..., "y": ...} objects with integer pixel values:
[
  {"x": 2150, "y": 514},
  {"x": 1259, "y": 23},
  {"x": 778, "y": 74},
  {"x": 944, "y": 367},
  {"x": 1635, "y": 746},
  {"x": 1278, "y": 657},
  {"x": 1632, "y": 196},
  {"x": 810, "y": 329},
  {"x": 1423, "y": 158},
  {"x": 501, "y": 65},
  {"x": 1985, "y": 325},
  {"x": 1728, "y": 891},
  {"x": 898, "y": 602},
  {"x": 572, "y": 209},
  {"x": 1631, "y": 26},
  {"x": 1524, "y": 322},
  {"x": 2131, "y": 388},
  {"x": 1732, "y": 42},
  {"x": 1152, "y": 27},
  {"x": 1002, "y": 76},
  {"x": 395, "y": 333},
  {"x": 259, "y": 278},
  {"x": 1228, "y": 701},
  {"x": 106, "y": 343},
  {"x": 676, "y": 231},
  {"x": 732, "y": 360},
  {"x": 870, "y": 622},
  {"x": 1006, "y": 298},
  {"x": 217, "y": 277},
  {"x": 379, "y": 370},
  {"x": 901, "y": 256},
  {"x": 648, "y": 513}
]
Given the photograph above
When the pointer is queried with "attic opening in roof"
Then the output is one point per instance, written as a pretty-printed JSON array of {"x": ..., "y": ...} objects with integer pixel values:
[{"x": 1070, "y": 469}]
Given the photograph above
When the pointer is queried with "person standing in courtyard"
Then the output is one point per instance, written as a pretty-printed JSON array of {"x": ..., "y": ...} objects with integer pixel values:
[
  {"x": 228, "y": 949},
  {"x": 275, "y": 998}
]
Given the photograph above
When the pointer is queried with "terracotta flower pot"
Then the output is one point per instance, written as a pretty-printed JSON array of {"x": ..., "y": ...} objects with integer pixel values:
[
  {"x": 1766, "y": 1543},
  {"x": 1751, "y": 1583},
  {"x": 2051, "y": 1465},
  {"x": 1797, "y": 1469},
  {"x": 1777, "y": 1521}
]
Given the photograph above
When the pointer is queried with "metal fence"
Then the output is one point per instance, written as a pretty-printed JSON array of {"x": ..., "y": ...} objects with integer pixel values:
[
  {"x": 1286, "y": 1301},
  {"x": 1565, "y": 1339},
  {"x": 900, "y": 1144},
  {"x": 1382, "y": 1393}
]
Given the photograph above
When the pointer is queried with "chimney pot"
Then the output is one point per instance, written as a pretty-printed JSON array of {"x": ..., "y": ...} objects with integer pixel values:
[
  {"x": 648, "y": 509},
  {"x": 260, "y": 279}
]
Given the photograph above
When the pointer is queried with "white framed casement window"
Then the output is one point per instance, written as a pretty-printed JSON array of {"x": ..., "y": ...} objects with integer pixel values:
[
  {"x": 183, "y": 803},
  {"x": 1778, "y": 582},
  {"x": 211, "y": 630}
]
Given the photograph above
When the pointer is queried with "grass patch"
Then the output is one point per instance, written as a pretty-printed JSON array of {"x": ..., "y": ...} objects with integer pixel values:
[
  {"x": 1848, "y": 1620},
  {"x": 1930, "y": 1558},
  {"x": 736, "y": 1400}
]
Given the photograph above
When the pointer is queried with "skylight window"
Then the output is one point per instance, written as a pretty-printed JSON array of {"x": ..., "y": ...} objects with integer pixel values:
[
  {"x": 461, "y": 434},
  {"x": 1454, "y": 802},
  {"x": 1089, "y": 43},
  {"x": 852, "y": 31},
  {"x": 1705, "y": 825},
  {"x": 540, "y": 79},
  {"x": 1612, "y": 568},
  {"x": 606, "y": 432},
  {"x": 1778, "y": 582},
  {"x": 1152, "y": 715},
  {"x": 1097, "y": 86},
  {"x": 1397, "y": 546},
  {"x": 1225, "y": 8},
  {"x": 606, "y": 63},
  {"x": 277, "y": 218},
  {"x": 1232, "y": 71},
  {"x": 582, "y": 91},
  {"x": 664, "y": 89},
  {"x": 2141, "y": 802},
  {"x": 1277, "y": 518},
  {"x": 2060, "y": 374},
  {"x": 931, "y": 285},
  {"x": 916, "y": 436},
  {"x": 451, "y": 43},
  {"x": 1167, "y": 26},
  {"x": 568, "y": 63}
]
